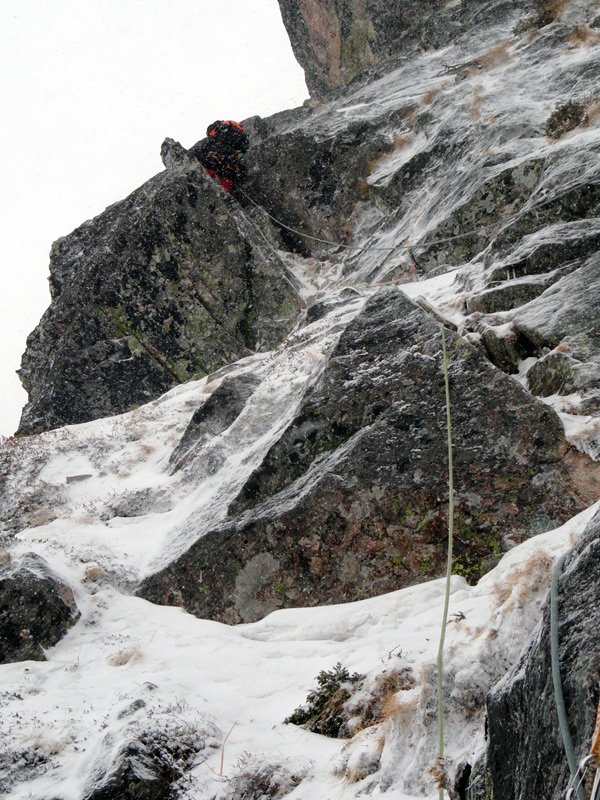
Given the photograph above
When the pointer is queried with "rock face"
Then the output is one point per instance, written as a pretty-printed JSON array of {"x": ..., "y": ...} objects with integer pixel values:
[
  {"x": 525, "y": 752},
  {"x": 352, "y": 499},
  {"x": 169, "y": 284},
  {"x": 335, "y": 40},
  {"x": 311, "y": 181},
  {"x": 35, "y": 613}
]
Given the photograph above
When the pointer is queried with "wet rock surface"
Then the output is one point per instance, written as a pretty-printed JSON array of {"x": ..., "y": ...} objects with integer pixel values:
[
  {"x": 352, "y": 499},
  {"x": 525, "y": 756},
  {"x": 36, "y": 611},
  {"x": 560, "y": 327},
  {"x": 319, "y": 181},
  {"x": 221, "y": 409},
  {"x": 167, "y": 285},
  {"x": 336, "y": 40}
]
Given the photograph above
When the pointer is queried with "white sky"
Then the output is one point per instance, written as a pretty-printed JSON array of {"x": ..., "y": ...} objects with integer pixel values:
[{"x": 90, "y": 89}]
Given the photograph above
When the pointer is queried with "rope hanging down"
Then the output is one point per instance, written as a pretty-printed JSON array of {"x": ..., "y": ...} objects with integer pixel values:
[
  {"x": 408, "y": 247},
  {"x": 440, "y": 658},
  {"x": 563, "y": 722}
]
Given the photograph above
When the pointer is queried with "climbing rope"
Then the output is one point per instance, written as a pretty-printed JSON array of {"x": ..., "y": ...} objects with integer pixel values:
[
  {"x": 440, "y": 658},
  {"x": 575, "y": 785},
  {"x": 379, "y": 249}
]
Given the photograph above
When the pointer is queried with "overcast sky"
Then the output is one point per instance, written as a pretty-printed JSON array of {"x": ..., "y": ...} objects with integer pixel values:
[{"x": 90, "y": 89}]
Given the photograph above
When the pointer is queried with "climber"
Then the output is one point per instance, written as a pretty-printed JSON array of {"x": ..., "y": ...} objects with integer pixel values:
[{"x": 222, "y": 152}]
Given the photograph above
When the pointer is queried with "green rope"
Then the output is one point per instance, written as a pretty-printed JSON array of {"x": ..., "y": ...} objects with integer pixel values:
[
  {"x": 563, "y": 722},
  {"x": 440, "y": 658}
]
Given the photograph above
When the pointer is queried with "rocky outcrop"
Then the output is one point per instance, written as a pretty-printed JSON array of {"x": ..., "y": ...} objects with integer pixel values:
[
  {"x": 313, "y": 181},
  {"x": 221, "y": 409},
  {"x": 336, "y": 40},
  {"x": 162, "y": 747},
  {"x": 560, "y": 325},
  {"x": 352, "y": 499},
  {"x": 169, "y": 284},
  {"x": 36, "y": 610},
  {"x": 525, "y": 755}
]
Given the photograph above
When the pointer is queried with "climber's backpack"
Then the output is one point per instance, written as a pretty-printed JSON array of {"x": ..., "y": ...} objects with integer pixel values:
[{"x": 229, "y": 132}]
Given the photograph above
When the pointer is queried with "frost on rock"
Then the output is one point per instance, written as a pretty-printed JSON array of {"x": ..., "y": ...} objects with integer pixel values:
[{"x": 301, "y": 481}]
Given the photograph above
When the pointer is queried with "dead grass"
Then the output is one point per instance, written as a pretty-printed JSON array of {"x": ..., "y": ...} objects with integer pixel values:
[
  {"x": 147, "y": 449},
  {"x": 524, "y": 579},
  {"x": 439, "y": 773},
  {"x": 126, "y": 656},
  {"x": 592, "y": 112},
  {"x": 94, "y": 573},
  {"x": 495, "y": 56},
  {"x": 477, "y": 101},
  {"x": 364, "y": 190},
  {"x": 41, "y": 516},
  {"x": 582, "y": 35},
  {"x": 402, "y": 140},
  {"x": 430, "y": 95}
]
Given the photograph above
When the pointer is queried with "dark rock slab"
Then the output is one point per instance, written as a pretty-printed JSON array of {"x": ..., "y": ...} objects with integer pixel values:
[
  {"x": 162, "y": 746},
  {"x": 553, "y": 374},
  {"x": 140, "y": 775},
  {"x": 36, "y": 611},
  {"x": 318, "y": 182},
  {"x": 525, "y": 753},
  {"x": 566, "y": 320},
  {"x": 352, "y": 500},
  {"x": 511, "y": 294},
  {"x": 569, "y": 312},
  {"x": 170, "y": 284},
  {"x": 214, "y": 416}
]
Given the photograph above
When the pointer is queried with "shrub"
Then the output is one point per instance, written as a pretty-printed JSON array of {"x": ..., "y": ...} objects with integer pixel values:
[
  {"x": 324, "y": 710},
  {"x": 565, "y": 118}
]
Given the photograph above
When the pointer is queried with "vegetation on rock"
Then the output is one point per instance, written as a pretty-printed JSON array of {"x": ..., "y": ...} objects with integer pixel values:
[{"x": 324, "y": 710}]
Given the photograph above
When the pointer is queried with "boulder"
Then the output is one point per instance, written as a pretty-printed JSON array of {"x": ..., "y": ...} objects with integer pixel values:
[
  {"x": 170, "y": 284},
  {"x": 312, "y": 182},
  {"x": 352, "y": 500},
  {"x": 215, "y": 415},
  {"x": 36, "y": 610},
  {"x": 552, "y": 374}
]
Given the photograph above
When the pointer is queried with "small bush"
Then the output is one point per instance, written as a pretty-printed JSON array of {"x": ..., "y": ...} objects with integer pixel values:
[
  {"x": 258, "y": 779},
  {"x": 565, "y": 118},
  {"x": 324, "y": 710}
]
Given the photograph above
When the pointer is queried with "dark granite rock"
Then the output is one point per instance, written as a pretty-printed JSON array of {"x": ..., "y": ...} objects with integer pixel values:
[
  {"x": 312, "y": 183},
  {"x": 352, "y": 499},
  {"x": 566, "y": 320},
  {"x": 163, "y": 744},
  {"x": 36, "y": 611},
  {"x": 336, "y": 40},
  {"x": 511, "y": 294},
  {"x": 552, "y": 374},
  {"x": 215, "y": 415},
  {"x": 169, "y": 284},
  {"x": 525, "y": 756}
]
